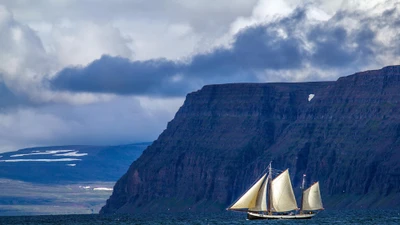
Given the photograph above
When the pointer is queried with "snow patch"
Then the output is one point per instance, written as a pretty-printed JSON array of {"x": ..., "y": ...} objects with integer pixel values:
[
  {"x": 48, "y": 152},
  {"x": 40, "y": 160},
  {"x": 102, "y": 189},
  {"x": 73, "y": 154},
  {"x": 310, "y": 97},
  {"x": 72, "y": 164},
  {"x": 55, "y": 153},
  {"x": 96, "y": 188}
]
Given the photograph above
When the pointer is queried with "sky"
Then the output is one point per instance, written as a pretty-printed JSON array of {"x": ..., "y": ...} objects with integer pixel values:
[{"x": 115, "y": 72}]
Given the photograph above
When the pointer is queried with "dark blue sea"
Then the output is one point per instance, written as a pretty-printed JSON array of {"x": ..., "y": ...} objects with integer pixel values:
[{"x": 325, "y": 217}]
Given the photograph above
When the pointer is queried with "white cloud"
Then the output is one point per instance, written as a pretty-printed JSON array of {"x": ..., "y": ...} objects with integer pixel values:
[
  {"x": 81, "y": 43},
  {"x": 25, "y": 63},
  {"x": 154, "y": 104},
  {"x": 268, "y": 10},
  {"x": 23, "y": 60},
  {"x": 63, "y": 117},
  {"x": 154, "y": 39},
  {"x": 154, "y": 25},
  {"x": 26, "y": 127},
  {"x": 120, "y": 121}
]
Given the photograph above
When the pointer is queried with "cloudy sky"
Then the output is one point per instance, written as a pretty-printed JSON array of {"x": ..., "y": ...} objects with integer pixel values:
[{"x": 115, "y": 72}]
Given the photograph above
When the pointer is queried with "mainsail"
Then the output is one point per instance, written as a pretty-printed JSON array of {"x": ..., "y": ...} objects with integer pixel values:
[
  {"x": 312, "y": 198},
  {"x": 252, "y": 199},
  {"x": 283, "y": 199}
]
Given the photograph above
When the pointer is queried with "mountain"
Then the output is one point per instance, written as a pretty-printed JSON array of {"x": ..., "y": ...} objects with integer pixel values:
[
  {"x": 62, "y": 179},
  {"x": 344, "y": 133},
  {"x": 61, "y": 164}
]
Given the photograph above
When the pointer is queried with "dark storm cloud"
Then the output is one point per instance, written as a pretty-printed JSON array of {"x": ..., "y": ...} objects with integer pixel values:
[
  {"x": 119, "y": 75},
  {"x": 337, "y": 47},
  {"x": 254, "y": 49},
  {"x": 333, "y": 46}
]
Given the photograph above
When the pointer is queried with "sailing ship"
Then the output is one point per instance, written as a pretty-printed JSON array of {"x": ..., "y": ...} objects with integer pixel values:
[{"x": 273, "y": 198}]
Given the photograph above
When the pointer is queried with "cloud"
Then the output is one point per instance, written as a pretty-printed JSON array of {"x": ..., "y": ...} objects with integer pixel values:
[
  {"x": 106, "y": 11},
  {"x": 25, "y": 63},
  {"x": 21, "y": 52},
  {"x": 144, "y": 22},
  {"x": 347, "y": 42},
  {"x": 74, "y": 74},
  {"x": 254, "y": 49},
  {"x": 8, "y": 99},
  {"x": 335, "y": 46},
  {"x": 80, "y": 44},
  {"x": 31, "y": 114},
  {"x": 138, "y": 77},
  {"x": 120, "y": 121}
]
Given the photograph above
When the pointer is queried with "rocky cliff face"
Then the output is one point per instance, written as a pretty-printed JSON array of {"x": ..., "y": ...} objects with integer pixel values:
[{"x": 347, "y": 137}]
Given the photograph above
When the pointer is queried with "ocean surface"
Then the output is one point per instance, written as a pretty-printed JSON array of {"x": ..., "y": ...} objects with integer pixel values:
[{"x": 325, "y": 217}]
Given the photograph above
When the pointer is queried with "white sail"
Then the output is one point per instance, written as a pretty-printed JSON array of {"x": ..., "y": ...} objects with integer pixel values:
[
  {"x": 312, "y": 198},
  {"x": 261, "y": 202},
  {"x": 249, "y": 199},
  {"x": 282, "y": 195}
]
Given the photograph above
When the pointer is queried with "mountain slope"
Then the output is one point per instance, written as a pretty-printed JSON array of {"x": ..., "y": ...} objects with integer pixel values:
[
  {"x": 60, "y": 164},
  {"x": 346, "y": 134}
]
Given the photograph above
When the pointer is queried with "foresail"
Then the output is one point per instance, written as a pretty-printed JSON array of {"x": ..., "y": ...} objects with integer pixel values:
[
  {"x": 282, "y": 195},
  {"x": 249, "y": 199},
  {"x": 312, "y": 198}
]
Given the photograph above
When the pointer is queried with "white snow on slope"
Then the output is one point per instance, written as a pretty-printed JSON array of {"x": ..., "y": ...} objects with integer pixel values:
[
  {"x": 84, "y": 187},
  {"x": 310, "y": 97},
  {"x": 70, "y": 153},
  {"x": 40, "y": 160},
  {"x": 73, "y": 154},
  {"x": 102, "y": 189},
  {"x": 96, "y": 188},
  {"x": 48, "y": 152}
]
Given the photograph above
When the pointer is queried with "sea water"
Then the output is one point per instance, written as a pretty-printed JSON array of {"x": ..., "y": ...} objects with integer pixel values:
[{"x": 325, "y": 217}]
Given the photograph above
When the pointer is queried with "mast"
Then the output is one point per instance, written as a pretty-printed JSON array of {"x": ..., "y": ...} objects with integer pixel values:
[
  {"x": 269, "y": 189},
  {"x": 302, "y": 193}
]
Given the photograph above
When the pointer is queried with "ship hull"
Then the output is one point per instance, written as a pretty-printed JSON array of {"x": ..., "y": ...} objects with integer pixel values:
[{"x": 258, "y": 216}]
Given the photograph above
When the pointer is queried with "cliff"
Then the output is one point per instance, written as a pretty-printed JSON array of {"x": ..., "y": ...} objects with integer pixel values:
[{"x": 347, "y": 137}]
